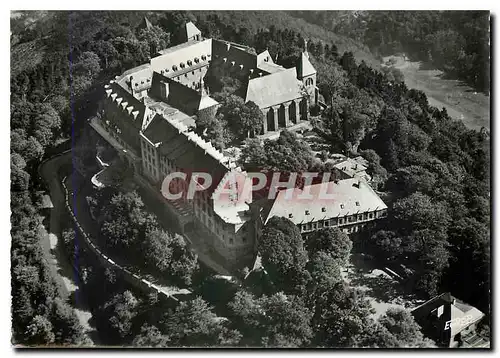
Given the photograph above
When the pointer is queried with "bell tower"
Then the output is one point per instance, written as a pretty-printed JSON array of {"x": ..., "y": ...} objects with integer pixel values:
[{"x": 307, "y": 74}]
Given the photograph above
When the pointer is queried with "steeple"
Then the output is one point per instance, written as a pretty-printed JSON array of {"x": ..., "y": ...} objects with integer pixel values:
[
  {"x": 305, "y": 48},
  {"x": 304, "y": 67}
]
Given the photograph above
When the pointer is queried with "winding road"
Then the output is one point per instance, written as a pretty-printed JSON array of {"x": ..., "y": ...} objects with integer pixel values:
[
  {"x": 59, "y": 264},
  {"x": 62, "y": 199}
]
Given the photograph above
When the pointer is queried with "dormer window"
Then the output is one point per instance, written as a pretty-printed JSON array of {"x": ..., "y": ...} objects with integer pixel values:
[
  {"x": 357, "y": 203},
  {"x": 341, "y": 206},
  {"x": 190, "y": 63},
  {"x": 196, "y": 60},
  {"x": 290, "y": 215},
  {"x": 174, "y": 68},
  {"x": 323, "y": 209},
  {"x": 182, "y": 64},
  {"x": 307, "y": 212}
]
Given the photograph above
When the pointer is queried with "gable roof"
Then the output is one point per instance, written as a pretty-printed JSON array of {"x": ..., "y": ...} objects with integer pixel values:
[
  {"x": 350, "y": 196},
  {"x": 191, "y": 30},
  {"x": 270, "y": 67},
  {"x": 233, "y": 53},
  {"x": 141, "y": 78},
  {"x": 350, "y": 167},
  {"x": 174, "y": 56},
  {"x": 118, "y": 92},
  {"x": 186, "y": 149},
  {"x": 304, "y": 67},
  {"x": 274, "y": 89}
]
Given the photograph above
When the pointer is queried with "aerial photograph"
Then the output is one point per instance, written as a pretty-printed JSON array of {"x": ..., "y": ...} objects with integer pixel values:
[{"x": 250, "y": 179}]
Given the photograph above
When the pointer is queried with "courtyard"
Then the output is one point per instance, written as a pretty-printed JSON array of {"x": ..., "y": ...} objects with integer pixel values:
[{"x": 382, "y": 287}]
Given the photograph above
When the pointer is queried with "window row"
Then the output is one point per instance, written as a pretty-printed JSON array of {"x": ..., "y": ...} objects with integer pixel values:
[{"x": 340, "y": 221}]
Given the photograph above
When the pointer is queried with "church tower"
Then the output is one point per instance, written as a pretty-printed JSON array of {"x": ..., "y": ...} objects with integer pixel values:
[{"x": 307, "y": 74}]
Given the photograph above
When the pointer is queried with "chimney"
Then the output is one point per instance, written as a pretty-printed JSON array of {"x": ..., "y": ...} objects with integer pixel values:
[{"x": 130, "y": 83}]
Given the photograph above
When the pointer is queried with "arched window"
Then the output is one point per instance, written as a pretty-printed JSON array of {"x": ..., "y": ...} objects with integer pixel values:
[
  {"x": 190, "y": 63},
  {"x": 309, "y": 81},
  {"x": 174, "y": 68},
  {"x": 182, "y": 65},
  {"x": 196, "y": 60},
  {"x": 203, "y": 57}
]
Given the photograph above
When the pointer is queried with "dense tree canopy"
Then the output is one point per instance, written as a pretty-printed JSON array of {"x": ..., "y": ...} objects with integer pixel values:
[
  {"x": 283, "y": 255},
  {"x": 287, "y": 154},
  {"x": 331, "y": 241},
  {"x": 271, "y": 321}
]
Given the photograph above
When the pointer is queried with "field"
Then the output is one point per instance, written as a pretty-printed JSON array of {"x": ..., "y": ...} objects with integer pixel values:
[{"x": 461, "y": 101}]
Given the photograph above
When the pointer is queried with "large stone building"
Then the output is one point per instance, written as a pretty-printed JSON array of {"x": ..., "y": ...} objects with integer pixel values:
[
  {"x": 348, "y": 204},
  {"x": 149, "y": 113}
]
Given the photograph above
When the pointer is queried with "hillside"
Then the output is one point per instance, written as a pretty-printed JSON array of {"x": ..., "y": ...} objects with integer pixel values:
[
  {"x": 255, "y": 20},
  {"x": 27, "y": 50},
  {"x": 455, "y": 42}
]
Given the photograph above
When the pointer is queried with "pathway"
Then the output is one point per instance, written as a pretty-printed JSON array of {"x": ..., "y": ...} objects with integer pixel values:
[{"x": 59, "y": 265}]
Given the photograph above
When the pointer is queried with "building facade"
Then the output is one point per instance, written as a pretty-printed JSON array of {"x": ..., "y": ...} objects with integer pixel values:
[{"x": 348, "y": 204}]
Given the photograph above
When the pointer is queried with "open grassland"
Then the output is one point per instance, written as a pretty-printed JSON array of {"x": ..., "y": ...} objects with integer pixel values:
[{"x": 461, "y": 101}]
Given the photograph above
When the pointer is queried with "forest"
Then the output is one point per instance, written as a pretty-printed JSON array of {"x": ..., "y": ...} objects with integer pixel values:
[
  {"x": 434, "y": 171},
  {"x": 456, "y": 42}
]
